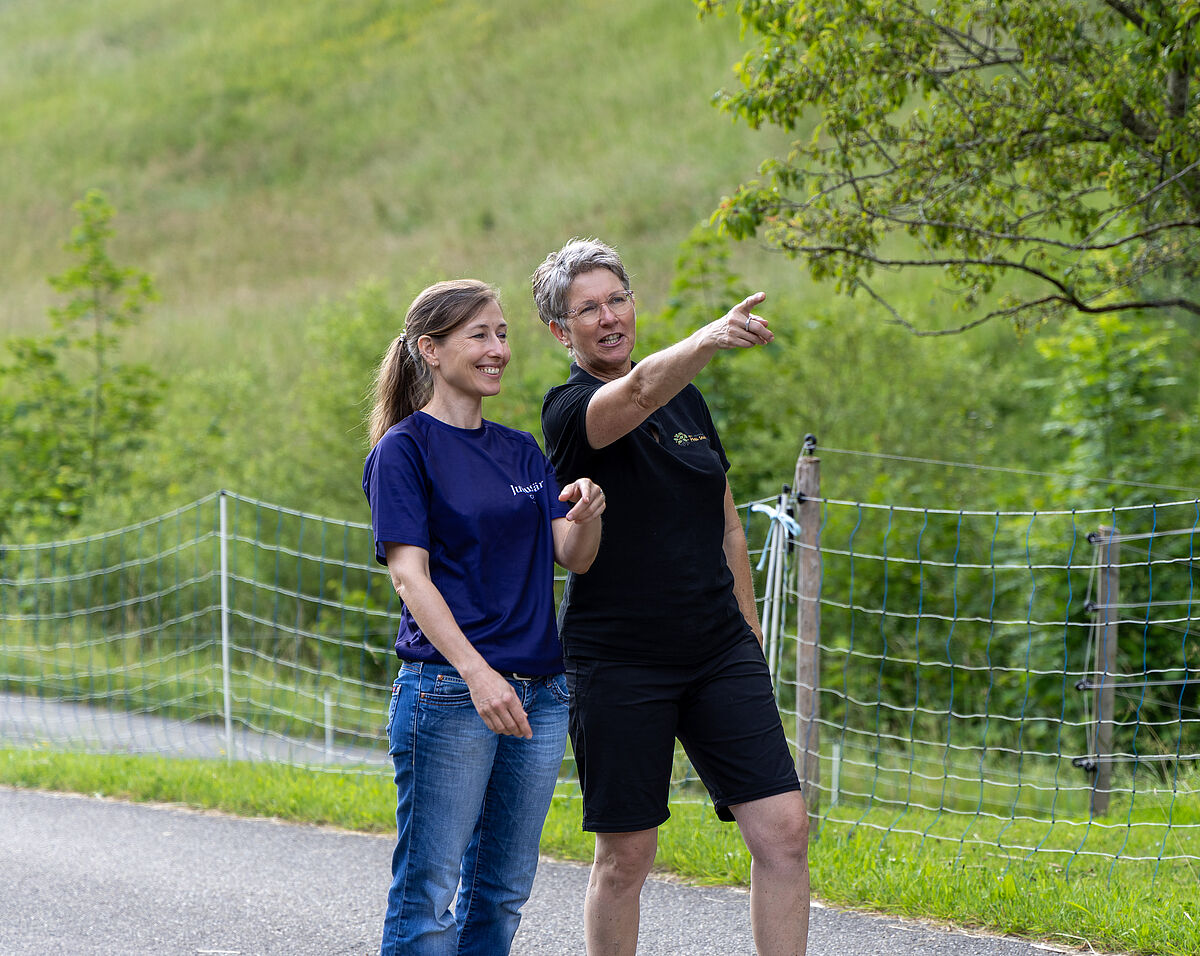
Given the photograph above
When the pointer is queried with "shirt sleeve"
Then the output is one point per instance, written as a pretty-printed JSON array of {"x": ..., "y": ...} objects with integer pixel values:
[
  {"x": 398, "y": 492},
  {"x": 558, "y": 509},
  {"x": 564, "y": 426}
]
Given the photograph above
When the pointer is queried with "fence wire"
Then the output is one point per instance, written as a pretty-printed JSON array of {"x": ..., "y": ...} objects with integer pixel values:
[{"x": 965, "y": 691}]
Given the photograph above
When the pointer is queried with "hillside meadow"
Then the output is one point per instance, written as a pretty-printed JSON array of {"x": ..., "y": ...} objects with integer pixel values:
[{"x": 292, "y": 174}]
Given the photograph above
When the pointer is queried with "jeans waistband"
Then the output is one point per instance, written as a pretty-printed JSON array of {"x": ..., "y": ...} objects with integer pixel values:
[{"x": 446, "y": 668}]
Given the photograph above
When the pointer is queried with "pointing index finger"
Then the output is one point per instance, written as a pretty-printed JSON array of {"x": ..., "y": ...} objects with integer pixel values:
[{"x": 750, "y": 302}]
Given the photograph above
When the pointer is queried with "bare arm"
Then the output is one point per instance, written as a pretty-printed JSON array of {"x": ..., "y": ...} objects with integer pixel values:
[
  {"x": 577, "y": 536},
  {"x": 737, "y": 556},
  {"x": 493, "y": 697},
  {"x": 621, "y": 405}
]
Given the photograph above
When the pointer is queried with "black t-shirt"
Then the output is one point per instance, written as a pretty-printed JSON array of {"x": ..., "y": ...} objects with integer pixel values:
[{"x": 660, "y": 589}]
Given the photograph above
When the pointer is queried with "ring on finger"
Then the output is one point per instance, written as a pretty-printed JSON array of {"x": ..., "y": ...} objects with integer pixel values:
[{"x": 747, "y": 325}]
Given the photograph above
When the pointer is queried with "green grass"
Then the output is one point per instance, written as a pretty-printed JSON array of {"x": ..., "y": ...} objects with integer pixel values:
[
  {"x": 988, "y": 890},
  {"x": 974, "y": 883},
  {"x": 353, "y": 801},
  {"x": 266, "y": 160}
]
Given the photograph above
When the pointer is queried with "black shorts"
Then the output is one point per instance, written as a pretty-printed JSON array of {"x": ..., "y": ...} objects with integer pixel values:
[{"x": 625, "y": 717}]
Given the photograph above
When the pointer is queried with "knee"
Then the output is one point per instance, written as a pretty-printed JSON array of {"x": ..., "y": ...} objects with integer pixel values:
[
  {"x": 622, "y": 869},
  {"x": 613, "y": 879},
  {"x": 793, "y": 838},
  {"x": 783, "y": 842}
]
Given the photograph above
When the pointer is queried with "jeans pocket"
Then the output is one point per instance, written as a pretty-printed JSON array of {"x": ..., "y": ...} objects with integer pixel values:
[
  {"x": 393, "y": 709},
  {"x": 393, "y": 701},
  {"x": 558, "y": 688},
  {"x": 449, "y": 690}
]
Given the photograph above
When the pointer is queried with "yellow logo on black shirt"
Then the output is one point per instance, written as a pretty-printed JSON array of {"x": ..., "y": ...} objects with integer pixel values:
[{"x": 682, "y": 438}]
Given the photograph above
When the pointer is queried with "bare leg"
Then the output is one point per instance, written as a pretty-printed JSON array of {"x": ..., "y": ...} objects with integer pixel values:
[
  {"x": 776, "y": 833},
  {"x": 611, "y": 909}
]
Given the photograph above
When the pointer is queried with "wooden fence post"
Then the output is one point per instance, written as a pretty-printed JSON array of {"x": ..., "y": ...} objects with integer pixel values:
[
  {"x": 808, "y": 628},
  {"x": 1107, "y": 616}
]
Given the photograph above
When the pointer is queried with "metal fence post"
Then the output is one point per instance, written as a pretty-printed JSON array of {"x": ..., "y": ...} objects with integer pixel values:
[
  {"x": 224, "y": 536},
  {"x": 327, "y": 700}
]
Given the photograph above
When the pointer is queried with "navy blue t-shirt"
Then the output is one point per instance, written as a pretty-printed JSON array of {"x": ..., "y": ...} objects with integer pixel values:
[{"x": 480, "y": 501}]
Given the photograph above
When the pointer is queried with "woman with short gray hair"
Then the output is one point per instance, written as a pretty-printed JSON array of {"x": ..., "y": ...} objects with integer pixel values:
[{"x": 661, "y": 636}]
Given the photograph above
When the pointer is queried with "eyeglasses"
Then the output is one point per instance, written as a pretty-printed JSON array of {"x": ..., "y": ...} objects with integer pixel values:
[{"x": 619, "y": 304}]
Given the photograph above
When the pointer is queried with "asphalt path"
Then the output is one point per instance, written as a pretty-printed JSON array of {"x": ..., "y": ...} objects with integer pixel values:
[
  {"x": 92, "y": 877},
  {"x": 29, "y": 721}
]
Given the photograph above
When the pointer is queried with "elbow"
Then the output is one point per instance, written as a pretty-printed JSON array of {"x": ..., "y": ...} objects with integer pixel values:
[
  {"x": 578, "y": 560},
  {"x": 642, "y": 396},
  {"x": 402, "y": 587},
  {"x": 576, "y": 563},
  {"x": 576, "y": 547},
  {"x": 730, "y": 545},
  {"x": 579, "y": 565},
  {"x": 642, "y": 389}
]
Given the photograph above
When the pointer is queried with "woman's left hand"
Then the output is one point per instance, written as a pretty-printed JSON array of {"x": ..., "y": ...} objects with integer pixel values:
[{"x": 589, "y": 498}]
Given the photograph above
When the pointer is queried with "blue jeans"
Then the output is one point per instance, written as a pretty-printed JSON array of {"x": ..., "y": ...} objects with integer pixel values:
[{"x": 470, "y": 805}]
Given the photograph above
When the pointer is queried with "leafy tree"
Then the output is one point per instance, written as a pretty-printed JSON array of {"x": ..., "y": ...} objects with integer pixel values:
[
  {"x": 43, "y": 476},
  {"x": 67, "y": 431},
  {"x": 102, "y": 299},
  {"x": 1111, "y": 399},
  {"x": 1041, "y": 156}
]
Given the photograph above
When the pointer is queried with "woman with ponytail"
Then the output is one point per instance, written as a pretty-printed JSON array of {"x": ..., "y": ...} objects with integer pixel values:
[{"x": 469, "y": 519}]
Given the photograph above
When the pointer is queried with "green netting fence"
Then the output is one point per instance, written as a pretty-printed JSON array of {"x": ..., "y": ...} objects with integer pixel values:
[{"x": 1022, "y": 684}]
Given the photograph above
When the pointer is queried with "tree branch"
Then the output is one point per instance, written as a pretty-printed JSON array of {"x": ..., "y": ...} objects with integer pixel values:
[
  {"x": 945, "y": 72},
  {"x": 1146, "y": 196},
  {"x": 1128, "y": 12},
  {"x": 909, "y": 327},
  {"x": 970, "y": 45},
  {"x": 983, "y": 233},
  {"x": 1140, "y": 128},
  {"x": 923, "y": 221},
  {"x": 1065, "y": 294}
]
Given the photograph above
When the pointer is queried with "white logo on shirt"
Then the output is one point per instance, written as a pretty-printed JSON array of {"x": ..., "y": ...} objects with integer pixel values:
[{"x": 530, "y": 490}]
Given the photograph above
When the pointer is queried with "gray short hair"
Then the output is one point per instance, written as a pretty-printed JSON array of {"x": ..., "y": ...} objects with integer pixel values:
[{"x": 553, "y": 278}]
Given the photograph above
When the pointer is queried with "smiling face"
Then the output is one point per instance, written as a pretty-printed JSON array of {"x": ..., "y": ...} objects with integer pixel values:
[
  {"x": 602, "y": 343},
  {"x": 468, "y": 362}
]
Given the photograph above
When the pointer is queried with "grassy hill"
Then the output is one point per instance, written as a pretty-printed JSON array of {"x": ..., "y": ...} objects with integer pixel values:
[
  {"x": 292, "y": 172},
  {"x": 263, "y": 158}
]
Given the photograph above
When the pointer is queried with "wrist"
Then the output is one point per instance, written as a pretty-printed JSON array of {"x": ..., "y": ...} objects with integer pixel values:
[
  {"x": 472, "y": 668},
  {"x": 704, "y": 341}
]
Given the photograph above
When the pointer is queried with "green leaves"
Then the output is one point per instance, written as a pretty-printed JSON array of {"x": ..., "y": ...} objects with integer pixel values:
[
  {"x": 1116, "y": 401},
  {"x": 100, "y": 292},
  {"x": 68, "y": 429},
  {"x": 1020, "y": 142}
]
